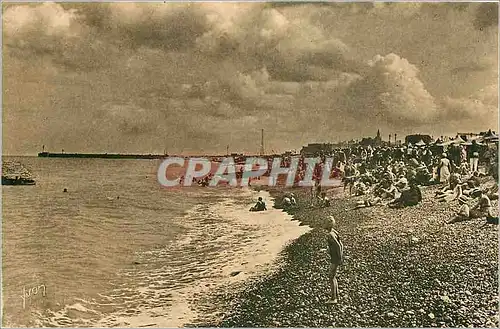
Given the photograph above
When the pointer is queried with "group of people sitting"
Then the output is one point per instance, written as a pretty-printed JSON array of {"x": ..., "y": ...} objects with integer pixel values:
[
  {"x": 394, "y": 177},
  {"x": 289, "y": 201},
  {"x": 473, "y": 197},
  {"x": 397, "y": 184},
  {"x": 318, "y": 199},
  {"x": 389, "y": 191}
]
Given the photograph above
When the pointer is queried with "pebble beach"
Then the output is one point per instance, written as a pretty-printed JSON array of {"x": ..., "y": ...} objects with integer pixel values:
[{"x": 403, "y": 268}]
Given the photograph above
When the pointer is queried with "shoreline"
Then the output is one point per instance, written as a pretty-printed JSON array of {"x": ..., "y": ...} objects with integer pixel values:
[
  {"x": 257, "y": 259},
  {"x": 403, "y": 268}
]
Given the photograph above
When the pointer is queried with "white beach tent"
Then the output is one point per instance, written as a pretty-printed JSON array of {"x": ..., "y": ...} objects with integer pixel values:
[
  {"x": 490, "y": 137},
  {"x": 478, "y": 139},
  {"x": 438, "y": 141},
  {"x": 420, "y": 143}
]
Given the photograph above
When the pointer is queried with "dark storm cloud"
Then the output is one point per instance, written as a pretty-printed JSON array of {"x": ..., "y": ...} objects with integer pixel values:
[
  {"x": 88, "y": 34},
  {"x": 169, "y": 26},
  {"x": 131, "y": 76},
  {"x": 90, "y": 14},
  {"x": 174, "y": 30},
  {"x": 48, "y": 30}
]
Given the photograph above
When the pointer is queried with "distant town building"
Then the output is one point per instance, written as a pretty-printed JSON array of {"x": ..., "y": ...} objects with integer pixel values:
[
  {"x": 316, "y": 148},
  {"x": 372, "y": 141},
  {"x": 378, "y": 138}
]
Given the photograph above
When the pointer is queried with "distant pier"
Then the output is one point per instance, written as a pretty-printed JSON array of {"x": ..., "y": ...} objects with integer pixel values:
[{"x": 101, "y": 155}]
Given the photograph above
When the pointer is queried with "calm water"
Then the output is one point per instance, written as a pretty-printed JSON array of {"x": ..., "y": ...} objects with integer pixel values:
[{"x": 117, "y": 249}]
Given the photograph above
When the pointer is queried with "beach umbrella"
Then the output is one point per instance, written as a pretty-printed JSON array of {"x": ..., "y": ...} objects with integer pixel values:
[
  {"x": 438, "y": 141},
  {"x": 458, "y": 140},
  {"x": 470, "y": 143},
  {"x": 490, "y": 133},
  {"x": 476, "y": 138}
]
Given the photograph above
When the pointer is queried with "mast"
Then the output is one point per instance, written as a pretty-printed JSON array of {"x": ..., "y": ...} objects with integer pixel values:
[{"x": 262, "y": 143}]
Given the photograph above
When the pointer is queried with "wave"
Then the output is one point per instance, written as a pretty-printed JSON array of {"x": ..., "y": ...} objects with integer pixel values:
[{"x": 221, "y": 238}]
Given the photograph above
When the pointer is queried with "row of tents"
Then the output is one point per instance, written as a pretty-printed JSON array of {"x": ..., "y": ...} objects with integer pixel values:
[{"x": 487, "y": 138}]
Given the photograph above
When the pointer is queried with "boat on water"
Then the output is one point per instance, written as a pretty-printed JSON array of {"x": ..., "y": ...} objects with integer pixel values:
[{"x": 17, "y": 181}]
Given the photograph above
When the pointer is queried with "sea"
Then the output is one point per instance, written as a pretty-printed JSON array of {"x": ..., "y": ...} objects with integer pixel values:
[{"x": 119, "y": 250}]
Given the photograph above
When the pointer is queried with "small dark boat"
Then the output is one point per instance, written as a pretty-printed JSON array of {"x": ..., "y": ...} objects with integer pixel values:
[{"x": 17, "y": 181}]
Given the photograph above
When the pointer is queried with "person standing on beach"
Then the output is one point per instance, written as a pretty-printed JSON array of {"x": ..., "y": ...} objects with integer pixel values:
[
  {"x": 336, "y": 251},
  {"x": 474, "y": 156},
  {"x": 444, "y": 169}
]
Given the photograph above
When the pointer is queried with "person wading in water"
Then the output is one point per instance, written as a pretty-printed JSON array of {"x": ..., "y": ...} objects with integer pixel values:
[
  {"x": 336, "y": 251},
  {"x": 259, "y": 206}
]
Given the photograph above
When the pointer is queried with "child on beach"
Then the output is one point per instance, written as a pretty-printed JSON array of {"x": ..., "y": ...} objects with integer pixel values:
[
  {"x": 323, "y": 201},
  {"x": 336, "y": 251}
]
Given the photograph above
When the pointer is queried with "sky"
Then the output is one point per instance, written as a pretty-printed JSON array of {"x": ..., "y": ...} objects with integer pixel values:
[{"x": 194, "y": 78}]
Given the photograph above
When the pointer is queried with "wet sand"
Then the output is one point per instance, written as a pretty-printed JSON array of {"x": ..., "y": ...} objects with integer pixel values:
[
  {"x": 403, "y": 268},
  {"x": 242, "y": 263}
]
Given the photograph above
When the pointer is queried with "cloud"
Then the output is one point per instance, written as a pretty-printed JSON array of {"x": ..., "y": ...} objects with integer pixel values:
[
  {"x": 45, "y": 19},
  {"x": 482, "y": 105},
  {"x": 48, "y": 30},
  {"x": 88, "y": 37},
  {"x": 169, "y": 26},
  {"x": 130, "y": 119},
  {"x": 127, "y": 76},
  {"x": 471, "y": 67},
  {"x": 290, "y": 48},
  {"x": 392, "y": 92},
  {"x": 466, "y": 108},
  {"x": 478, "y": 112},
  {"x": 486, "y": 15}
]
